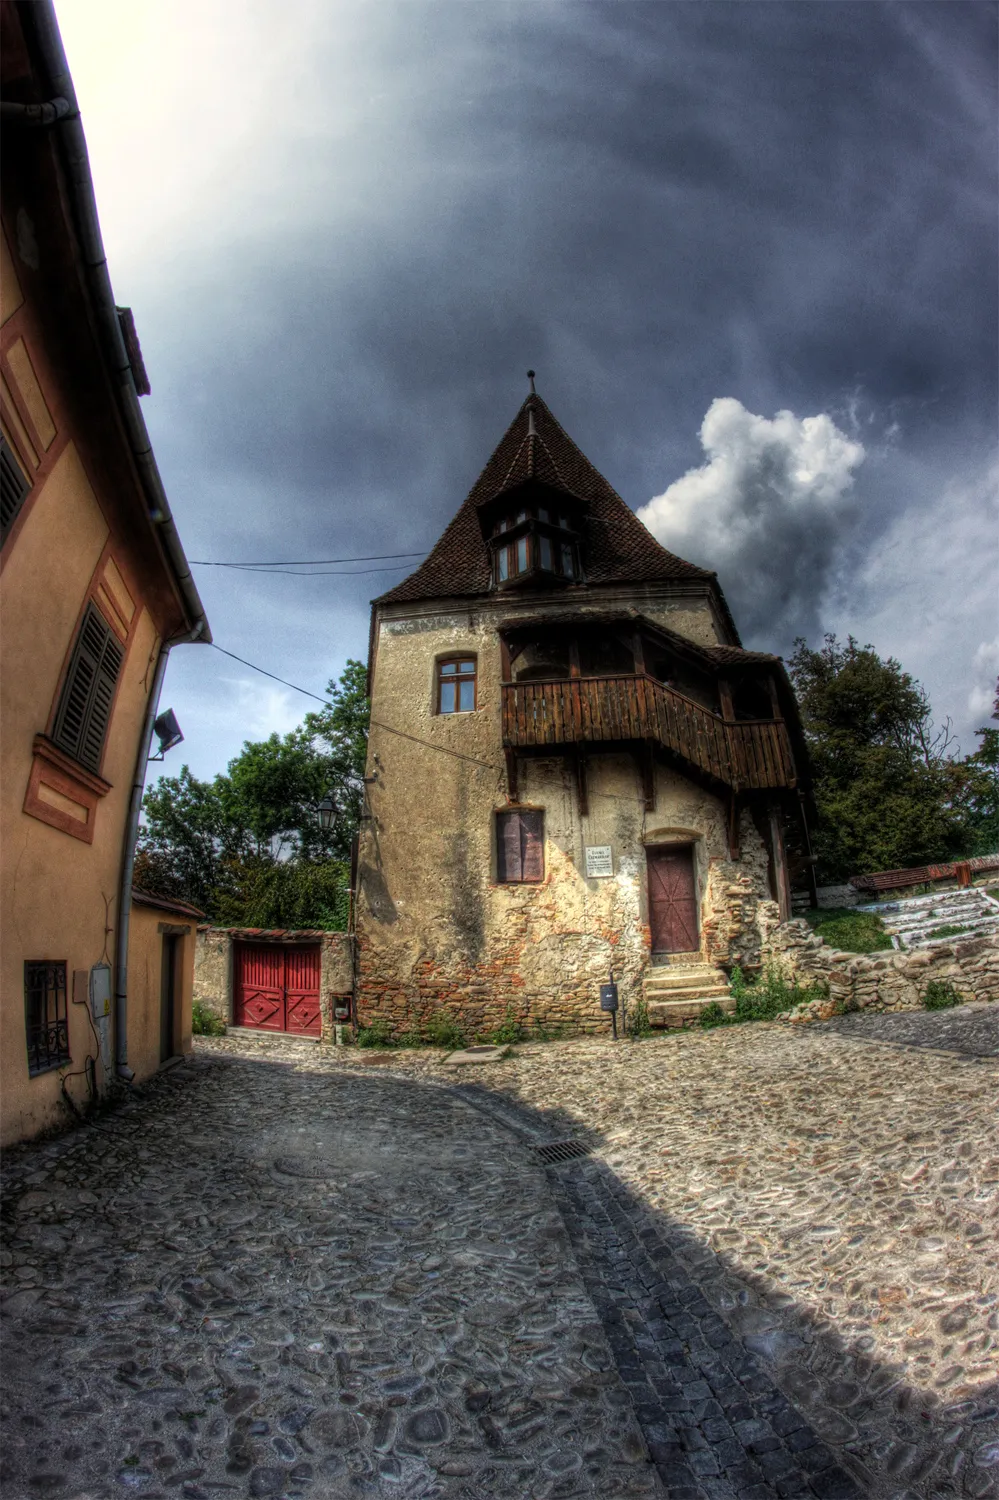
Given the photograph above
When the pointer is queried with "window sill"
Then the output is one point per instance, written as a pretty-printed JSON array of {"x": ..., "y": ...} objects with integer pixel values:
[{"x": 63, "y": 793}]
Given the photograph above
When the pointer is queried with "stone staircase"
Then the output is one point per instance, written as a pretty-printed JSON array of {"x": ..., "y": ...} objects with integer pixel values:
[
  {"x": 677, "y": 991},
  {"x": 916, "y": 921}
]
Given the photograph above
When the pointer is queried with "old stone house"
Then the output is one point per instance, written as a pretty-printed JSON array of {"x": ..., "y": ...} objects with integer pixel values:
[{"x": 574, "y": 767}]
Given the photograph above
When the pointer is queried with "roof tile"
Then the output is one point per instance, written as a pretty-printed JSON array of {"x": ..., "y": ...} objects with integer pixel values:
[{"x": 617, "y": 547}]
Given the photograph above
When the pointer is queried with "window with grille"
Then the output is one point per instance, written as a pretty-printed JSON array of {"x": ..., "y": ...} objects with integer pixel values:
[
  {"x": 45, "y": 1015},
  {"x": 81, "y": 724},
  {"x": 520, "y": 847},
  {"x": 456, "y": 685},
  {"x": 14, "y": 488}
]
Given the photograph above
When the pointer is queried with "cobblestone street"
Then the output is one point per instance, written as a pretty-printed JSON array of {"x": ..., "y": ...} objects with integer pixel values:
[{"x": 290, "y": 1272}]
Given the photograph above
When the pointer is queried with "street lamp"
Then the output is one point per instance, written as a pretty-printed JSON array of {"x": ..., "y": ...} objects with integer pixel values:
[{"x": 327, "y": 813}]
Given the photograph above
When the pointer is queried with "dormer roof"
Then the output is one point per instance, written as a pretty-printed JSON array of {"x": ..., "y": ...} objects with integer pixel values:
[{"x": 617, "y": 548}]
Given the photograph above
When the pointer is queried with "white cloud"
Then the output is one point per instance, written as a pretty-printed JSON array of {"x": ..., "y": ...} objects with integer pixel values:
[
  {"x": 764, "y": 509},
  {"x": 986, "y": 669}
]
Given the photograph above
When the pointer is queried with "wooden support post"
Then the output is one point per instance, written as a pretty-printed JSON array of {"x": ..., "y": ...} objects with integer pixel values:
[
  {"x": 647, "y": 768},
  {"x": 774, "y": 700},
  {"x": 584, "y": 803},
  {"x": 725, "y": 698},
  {"x": 781, "y": 881},
  {"x": 506, "y": 663},
  {"x": 574, "y": 657},
  {"x": 638, "y": 651},
  {"x": 510, "y": 756},
  {"x": 734, "y": 847}
]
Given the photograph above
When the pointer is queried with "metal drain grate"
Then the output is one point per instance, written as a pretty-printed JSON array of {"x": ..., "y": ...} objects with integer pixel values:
[{"x": 561, "y": 1151}]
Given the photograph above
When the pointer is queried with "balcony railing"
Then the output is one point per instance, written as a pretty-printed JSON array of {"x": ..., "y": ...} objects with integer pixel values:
[{"x": 599, "y": 710}]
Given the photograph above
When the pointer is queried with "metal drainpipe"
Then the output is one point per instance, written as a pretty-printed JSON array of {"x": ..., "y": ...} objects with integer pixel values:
[{"x": 128, "y": 860}]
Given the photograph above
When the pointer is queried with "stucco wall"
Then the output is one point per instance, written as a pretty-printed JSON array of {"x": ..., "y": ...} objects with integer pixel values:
[
  {"x": 435, "y": 929},
  {"x": 145, "y": 957}
]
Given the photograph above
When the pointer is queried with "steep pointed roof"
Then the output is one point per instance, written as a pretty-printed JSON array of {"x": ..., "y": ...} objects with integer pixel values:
[{"x": 617, "y": 547}]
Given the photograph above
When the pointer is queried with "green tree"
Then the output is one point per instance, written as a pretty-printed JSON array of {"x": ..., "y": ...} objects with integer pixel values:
[
  {"x": 248, "y": 846},
  {"x": 888, "y": 795},
  {"x": 980, "y": 789}
]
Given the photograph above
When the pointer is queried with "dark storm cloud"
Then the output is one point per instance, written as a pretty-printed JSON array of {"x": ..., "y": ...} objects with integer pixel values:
[{"x": 655, "y": 206}]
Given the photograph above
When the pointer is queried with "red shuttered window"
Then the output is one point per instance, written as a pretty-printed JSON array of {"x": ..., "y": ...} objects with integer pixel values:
[{"x": 520, "y": 847}]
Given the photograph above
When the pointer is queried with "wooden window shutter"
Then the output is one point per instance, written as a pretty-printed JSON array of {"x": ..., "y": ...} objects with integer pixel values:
[
  {"x": 520, "y": 847},
  {"x": 85, "y": 707},
  {"x": 14, "y": 488},
  {"x": 532, "y": 846}
]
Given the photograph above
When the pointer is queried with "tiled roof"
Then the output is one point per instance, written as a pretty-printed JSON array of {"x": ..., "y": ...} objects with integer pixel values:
[
  {"x": 164, "y": 903},
  {"x": 736, "y": 656},
  {"x": 617, "y": 548}
]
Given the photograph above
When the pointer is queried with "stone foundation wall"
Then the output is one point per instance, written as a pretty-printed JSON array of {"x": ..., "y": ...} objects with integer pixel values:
[{"x": 886, "y": 981}]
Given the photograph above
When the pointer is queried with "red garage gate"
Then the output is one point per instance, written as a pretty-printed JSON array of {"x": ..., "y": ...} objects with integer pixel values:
[{"x": 276, "y": 987}]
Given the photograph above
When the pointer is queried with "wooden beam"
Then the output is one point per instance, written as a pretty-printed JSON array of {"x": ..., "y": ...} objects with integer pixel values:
[
  {"x": 584, "y": 802},
  {"x": 506, "y": 661},
  {"x": 774, "y": 700},
  {"x": 638, "y": 651},
  {"x": 725, "y": 698},
  {"x": 510, "y": 756},
  {"x": 781, "y": 880},
  {"x": 573, "y": 657}
]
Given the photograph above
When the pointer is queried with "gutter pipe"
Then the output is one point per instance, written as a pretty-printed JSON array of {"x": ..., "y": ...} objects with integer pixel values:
[{"x": 63, "y": 114}]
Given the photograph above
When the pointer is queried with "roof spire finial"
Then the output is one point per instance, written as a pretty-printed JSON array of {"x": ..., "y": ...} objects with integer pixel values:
[{"x": 530, "y": 376}]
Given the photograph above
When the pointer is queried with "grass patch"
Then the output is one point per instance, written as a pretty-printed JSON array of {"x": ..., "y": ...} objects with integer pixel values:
[
  {"x": 378, "y": 1034},
  {"x": 940, "y": 994},
  {"x": 205, "y": 1022},
  {"x": 761, "y": 999},
  {"x": 850, "y": 931},
  {"x": 639, "y": 1026},
  {"x": 951, "y": 929}
]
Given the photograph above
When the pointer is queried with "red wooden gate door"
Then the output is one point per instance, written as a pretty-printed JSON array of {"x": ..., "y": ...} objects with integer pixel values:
[
  {"x": 672, "y": 900},
  {"x": 276, "y": 988}
]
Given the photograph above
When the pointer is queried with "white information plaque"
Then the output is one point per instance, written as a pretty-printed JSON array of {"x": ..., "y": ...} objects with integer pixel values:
[{"x": 599, "y": 861}]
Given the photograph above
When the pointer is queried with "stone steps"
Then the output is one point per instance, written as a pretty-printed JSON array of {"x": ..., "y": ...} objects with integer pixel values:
[
  {"x": 675, "y": 995},
  {"x": 913, "y": 923}
]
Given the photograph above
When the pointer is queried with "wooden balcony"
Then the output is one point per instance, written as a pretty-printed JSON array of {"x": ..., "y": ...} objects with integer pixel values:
[{"x": 744, "y": 756}]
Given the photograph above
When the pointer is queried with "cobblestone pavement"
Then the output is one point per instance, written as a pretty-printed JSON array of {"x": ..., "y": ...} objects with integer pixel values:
[
  {"x": 270, "y": 1280},
  {"x": 786, "y": 1235}
]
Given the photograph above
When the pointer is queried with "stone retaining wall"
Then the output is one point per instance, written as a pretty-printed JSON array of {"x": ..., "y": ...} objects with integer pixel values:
[{"x": 886, "y": 981}]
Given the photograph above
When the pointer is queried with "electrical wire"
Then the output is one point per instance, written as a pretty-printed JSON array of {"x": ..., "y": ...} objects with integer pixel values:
[
  {"x": 270, "y": 572},
  {"x": 309, "y": 562},
  {"x": 274, "y": 678}
]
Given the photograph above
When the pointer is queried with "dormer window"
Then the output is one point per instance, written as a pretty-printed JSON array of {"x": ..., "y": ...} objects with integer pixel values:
[{"x": 534, "y": 543}]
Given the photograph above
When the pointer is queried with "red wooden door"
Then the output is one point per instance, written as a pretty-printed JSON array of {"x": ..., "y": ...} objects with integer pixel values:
[
  {"x": 301, "y": 990},
  {"x": 276, "y": 988},
  {"x": 672, "y": 900}
]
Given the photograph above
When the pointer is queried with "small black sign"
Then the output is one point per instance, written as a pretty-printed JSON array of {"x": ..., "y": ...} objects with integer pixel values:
[{"x": 608, "y": 997}]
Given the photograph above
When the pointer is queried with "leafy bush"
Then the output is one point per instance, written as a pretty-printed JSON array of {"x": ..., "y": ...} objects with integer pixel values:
[
  {"x": 850, "y": 931},
  {"x": 546, "y": 1031},
  {"x": 940, "y": 994},
  {"x": 508, "y": 1032},
  {"x": 639, "y": 1026},
  {"x": 205, "y": 1022},
  {"x": 713, "y": 1015},
  {"x": 769, "y": 994},
  {"x": 442, "y": 1030},
  {"x": 378, "y": 1034}
]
